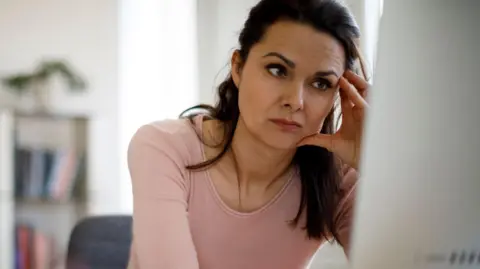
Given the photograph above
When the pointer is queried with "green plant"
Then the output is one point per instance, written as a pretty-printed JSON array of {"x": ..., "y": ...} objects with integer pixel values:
[{"x": 23, "y": 81}]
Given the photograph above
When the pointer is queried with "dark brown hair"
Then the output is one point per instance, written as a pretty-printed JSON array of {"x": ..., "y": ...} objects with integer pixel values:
[{"x": 319, "y": 169}]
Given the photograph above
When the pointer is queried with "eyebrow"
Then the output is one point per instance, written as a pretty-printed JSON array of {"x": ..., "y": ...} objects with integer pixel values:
[
  {"x": 326, "y": 73},
  {"x": 292, "y": 64},
  {"x": 283, "y": 58}
]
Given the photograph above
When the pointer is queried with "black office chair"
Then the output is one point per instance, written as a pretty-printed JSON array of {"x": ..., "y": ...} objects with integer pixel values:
[{"x": 101, "y": 242}]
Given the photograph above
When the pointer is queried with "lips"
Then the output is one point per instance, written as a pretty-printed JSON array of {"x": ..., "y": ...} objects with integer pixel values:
[{"x": 287, "y": 125}]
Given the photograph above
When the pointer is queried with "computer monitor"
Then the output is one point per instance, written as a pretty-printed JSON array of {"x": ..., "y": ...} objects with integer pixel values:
[{"x": 418, "y": 203}]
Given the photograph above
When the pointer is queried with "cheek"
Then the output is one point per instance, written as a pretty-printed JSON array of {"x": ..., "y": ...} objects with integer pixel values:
[
  {"x": 256, "y": 95},
  {"x": 317, "y": 109}
]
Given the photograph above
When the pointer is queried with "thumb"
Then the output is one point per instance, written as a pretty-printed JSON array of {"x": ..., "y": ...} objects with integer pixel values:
[{"x": 319, "y": 140}]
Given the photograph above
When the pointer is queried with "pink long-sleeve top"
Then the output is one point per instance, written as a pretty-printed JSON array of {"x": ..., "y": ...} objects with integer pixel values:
[{"x": 180, "y": 221}]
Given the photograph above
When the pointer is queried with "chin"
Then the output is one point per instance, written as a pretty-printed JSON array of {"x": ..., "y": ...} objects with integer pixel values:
[{"x": 282, "y": 142}]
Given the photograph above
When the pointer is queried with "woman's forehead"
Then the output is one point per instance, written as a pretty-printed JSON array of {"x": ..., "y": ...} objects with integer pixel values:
[{"x": 301, "y": 43}]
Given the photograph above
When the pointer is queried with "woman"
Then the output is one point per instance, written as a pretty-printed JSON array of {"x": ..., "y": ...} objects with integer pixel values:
[{"x": 257, "y": 181}]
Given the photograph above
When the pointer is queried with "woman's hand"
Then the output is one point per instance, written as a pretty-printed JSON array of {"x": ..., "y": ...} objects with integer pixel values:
[{"x": 346, "y": 142}]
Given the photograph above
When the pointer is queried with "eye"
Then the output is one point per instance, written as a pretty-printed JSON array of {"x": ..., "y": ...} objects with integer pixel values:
[
  {"x": 322, "y": 84},
  {"x": 277, "y": 70}
]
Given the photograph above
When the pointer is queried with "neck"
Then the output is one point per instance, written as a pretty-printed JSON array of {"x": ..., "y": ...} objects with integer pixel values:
[{"x": 255, "y": 162}]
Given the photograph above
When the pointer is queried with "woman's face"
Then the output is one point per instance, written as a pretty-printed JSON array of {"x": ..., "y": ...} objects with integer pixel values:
[{"x": 288, "y": 85}]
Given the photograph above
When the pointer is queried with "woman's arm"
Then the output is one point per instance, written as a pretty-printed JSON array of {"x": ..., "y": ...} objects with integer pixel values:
[
  {"x": 161, "y": 234},
  {"x": 346, "y": 207}
]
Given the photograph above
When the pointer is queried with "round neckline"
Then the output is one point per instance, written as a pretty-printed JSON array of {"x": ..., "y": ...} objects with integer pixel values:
[
  {"x": 237, "y": 213},
  {"x": 218, "y": 199}
]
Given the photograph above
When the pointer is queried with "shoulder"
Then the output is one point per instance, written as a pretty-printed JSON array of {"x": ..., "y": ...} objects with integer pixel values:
[
  {"x": 173, "y": 138},
  {"x": 348, "y": 191},
  {"x": 348, "y": 186},
  {"x": 349, "y": 181},
  {"x": 158, "y": 156}
]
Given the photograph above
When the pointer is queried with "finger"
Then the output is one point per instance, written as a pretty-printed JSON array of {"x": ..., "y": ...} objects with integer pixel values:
[
  {"x": 344, "y": 100},
  {"x": 346, "y": 107},
  {"x": 319, "y": 140},
  {"x": 358, "y": 114},
  {"x": 364, "y": 94},
  {"x": 360, "y": 83},
  {"x": 352, "y": 93}
]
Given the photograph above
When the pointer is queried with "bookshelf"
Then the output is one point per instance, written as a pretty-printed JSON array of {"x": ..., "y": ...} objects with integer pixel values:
[{"x": 43, "y": 180}]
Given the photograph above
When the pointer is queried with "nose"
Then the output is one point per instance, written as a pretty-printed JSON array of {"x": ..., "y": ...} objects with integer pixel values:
[{"x": 294, "y": 98}]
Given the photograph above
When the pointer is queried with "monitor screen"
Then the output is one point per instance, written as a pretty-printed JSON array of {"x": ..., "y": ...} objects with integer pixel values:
[{"x": 418, "y": 204}]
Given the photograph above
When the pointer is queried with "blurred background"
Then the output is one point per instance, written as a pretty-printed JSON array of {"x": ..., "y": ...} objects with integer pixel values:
[{"x": 78, "y": 78}]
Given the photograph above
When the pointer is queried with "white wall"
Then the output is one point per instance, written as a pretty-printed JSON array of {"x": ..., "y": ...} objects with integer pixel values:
[
  {"x": 85, "y": 33},
  {"x": 370, "y": 12},
  {"x": 158, "y": 68},
  {"x": 219, "y": 22}
]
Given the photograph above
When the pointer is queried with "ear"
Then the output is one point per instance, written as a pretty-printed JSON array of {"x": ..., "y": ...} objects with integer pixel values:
[{"x": 237, "y": 64}]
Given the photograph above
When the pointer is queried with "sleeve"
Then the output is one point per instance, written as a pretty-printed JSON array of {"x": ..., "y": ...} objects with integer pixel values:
[
  {"x": 345, "y": 210},
  {"x": 161, "y": 234}
]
